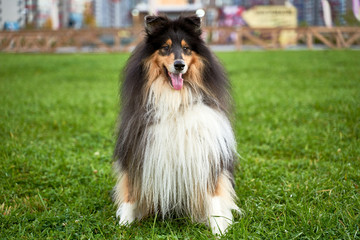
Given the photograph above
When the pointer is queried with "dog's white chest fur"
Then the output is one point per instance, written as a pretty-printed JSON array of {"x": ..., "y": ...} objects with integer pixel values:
[{"x": 184, "y": 147}]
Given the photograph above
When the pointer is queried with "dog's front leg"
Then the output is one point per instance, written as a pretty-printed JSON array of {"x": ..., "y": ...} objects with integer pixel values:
[
  {"x": 127, "y": 206},
  {"x": 221, "y": 204}
]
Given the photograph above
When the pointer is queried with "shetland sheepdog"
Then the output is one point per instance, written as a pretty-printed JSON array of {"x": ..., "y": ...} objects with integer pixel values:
[{"x": 175, "y": 147}]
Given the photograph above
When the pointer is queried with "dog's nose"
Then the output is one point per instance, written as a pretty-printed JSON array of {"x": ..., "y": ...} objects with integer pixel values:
[{"x": 179, "y": 65}]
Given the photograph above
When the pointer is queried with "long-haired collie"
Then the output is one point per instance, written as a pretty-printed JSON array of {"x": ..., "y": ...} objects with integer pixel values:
[{"x": 175, "y": 148}]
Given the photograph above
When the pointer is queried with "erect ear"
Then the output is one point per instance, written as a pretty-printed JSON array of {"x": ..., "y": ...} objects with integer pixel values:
[
  {"x": 153, "y": 22},
  {"x": 195, "y": 21}
]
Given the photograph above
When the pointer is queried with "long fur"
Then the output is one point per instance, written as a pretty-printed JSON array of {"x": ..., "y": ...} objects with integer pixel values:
[{"x": 175, "y": 150}]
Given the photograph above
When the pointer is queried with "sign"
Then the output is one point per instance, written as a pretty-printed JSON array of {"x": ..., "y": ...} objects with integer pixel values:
[
  {"x": 271, "y": 16},
  {"x": 274, "y": 16}
]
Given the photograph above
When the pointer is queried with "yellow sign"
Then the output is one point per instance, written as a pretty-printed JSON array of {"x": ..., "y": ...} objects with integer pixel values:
[
  {"x": 271, "y": 16},
  {"x": 274, "y": 16}
]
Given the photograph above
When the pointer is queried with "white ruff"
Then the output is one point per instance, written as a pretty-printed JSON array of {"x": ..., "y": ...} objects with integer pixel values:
[{"x": 183, "y": 150}]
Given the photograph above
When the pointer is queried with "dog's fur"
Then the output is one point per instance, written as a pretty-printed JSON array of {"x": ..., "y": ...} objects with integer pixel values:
[{"x": 175, "y": 148}]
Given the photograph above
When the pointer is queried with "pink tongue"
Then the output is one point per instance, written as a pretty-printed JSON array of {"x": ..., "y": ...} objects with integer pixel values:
[{"x": 176, "y": 80}]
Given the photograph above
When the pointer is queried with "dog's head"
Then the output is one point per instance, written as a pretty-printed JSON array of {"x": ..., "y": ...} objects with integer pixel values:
[{"x": 174, "y": 49}]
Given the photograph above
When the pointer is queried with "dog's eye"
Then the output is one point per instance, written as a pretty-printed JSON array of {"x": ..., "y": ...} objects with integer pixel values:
[
  {"x": 166, "y": 47},
  {"x": 186, "y": 48}
]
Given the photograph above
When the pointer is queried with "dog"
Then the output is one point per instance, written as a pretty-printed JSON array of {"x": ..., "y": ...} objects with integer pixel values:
[{"x": 175, "y": 148}]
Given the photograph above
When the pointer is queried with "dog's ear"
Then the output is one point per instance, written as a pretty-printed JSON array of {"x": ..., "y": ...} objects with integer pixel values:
[
  {"x": 194, "y": 21},
  {"x": 153, "y": 22}
]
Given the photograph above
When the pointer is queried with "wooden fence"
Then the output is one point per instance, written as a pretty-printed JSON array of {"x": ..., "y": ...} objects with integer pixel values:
[
  {"x": 333, "y": 38},
  {"x": 116, "y": 40}
]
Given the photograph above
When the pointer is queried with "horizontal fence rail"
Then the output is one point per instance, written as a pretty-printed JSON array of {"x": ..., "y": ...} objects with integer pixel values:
[{"x": 125, "y": 39}]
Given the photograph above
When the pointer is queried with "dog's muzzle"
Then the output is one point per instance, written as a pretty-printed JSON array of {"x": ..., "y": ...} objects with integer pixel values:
[{"x": 179, "y": 65}]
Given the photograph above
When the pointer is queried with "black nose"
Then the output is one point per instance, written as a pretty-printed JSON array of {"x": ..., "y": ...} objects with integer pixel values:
[{"x": 179, "y": 65}]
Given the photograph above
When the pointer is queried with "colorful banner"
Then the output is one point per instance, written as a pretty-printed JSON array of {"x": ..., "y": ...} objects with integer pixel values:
[
  {"x": 231, "y": 16},
  {"x": 356, "y": 9},
  {"x": 327, "y": 13}
]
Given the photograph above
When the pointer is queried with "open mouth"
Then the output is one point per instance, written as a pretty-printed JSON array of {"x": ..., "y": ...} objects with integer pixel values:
[{"x": 175, "y": 79}]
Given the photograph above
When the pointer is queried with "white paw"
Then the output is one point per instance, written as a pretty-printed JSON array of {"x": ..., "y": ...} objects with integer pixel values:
[
  {"x": 220, "y": 217},
  {"x": 126, "y": 213},
  {"x": 219, "y": 224}
]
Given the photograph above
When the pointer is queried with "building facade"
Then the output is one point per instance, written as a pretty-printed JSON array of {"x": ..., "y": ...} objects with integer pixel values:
[
  {"x": 12, "y": 12},
  {"x": 310, "y": 12},
  {"x": 113, "y": 13}
]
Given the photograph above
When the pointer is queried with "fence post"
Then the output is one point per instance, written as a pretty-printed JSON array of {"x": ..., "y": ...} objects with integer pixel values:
[
  {"x": 309, "y": 38},
  {"x": 275, "y": 38},
  {"x": 239, "y": 36},
  {"x": 340, "y": 41}
]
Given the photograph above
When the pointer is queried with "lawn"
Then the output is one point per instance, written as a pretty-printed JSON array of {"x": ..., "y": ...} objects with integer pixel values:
[{"x": 296, "y": 119}]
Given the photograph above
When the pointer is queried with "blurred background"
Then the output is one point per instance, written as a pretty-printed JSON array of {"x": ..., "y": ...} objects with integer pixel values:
[
  {"x": 115, "y": 25},
  {"x": 58, "y": 14}
]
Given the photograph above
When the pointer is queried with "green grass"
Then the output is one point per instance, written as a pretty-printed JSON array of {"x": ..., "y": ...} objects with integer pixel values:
[{"x": 296, "y": 119}]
